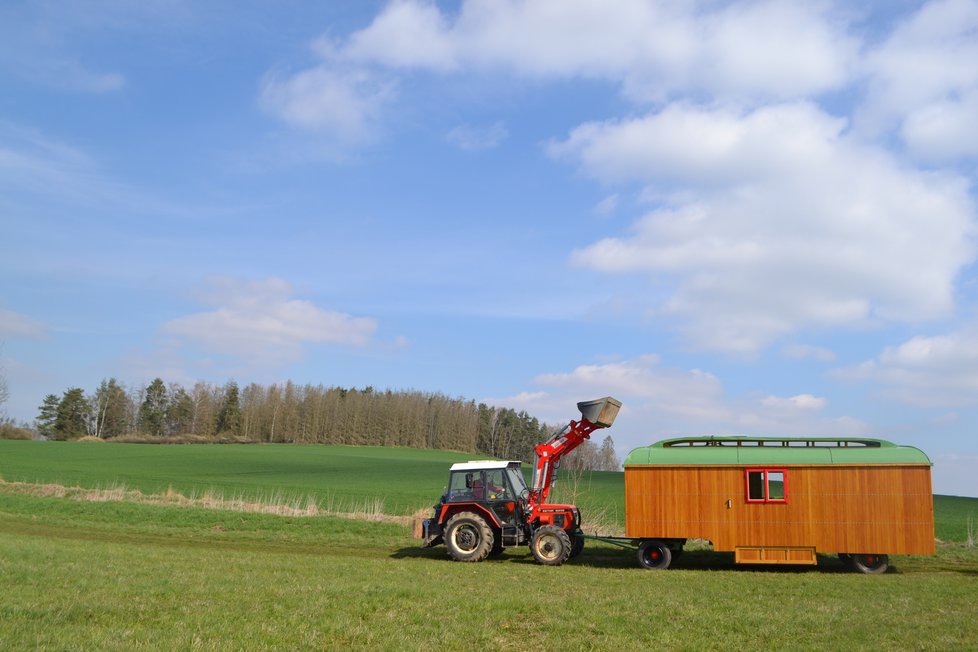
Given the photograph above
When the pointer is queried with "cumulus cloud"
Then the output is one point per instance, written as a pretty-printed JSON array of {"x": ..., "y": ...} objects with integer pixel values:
[
  {"x": 928, "y": 371},
  {"x": 651, "y": 50},
  {"x": 262, "y": 322},
  {"x": 342, "y": 103},
  {"x": 659, "y": 401},
  {"x": 776, "y": 220},
  {"x": 923, "y": 80}
]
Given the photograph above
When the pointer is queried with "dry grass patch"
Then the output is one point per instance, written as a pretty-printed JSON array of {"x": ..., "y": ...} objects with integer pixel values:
[{"x": 275, "y": 503}]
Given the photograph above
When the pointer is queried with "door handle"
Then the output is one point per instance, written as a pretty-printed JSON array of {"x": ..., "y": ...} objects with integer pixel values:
[{"x": 729, "y": 504}]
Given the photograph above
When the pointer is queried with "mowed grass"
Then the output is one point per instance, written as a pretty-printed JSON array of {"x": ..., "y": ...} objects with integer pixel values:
[
  {"x": 118, "y": 576},
  {"x": 126, "y": 576}
]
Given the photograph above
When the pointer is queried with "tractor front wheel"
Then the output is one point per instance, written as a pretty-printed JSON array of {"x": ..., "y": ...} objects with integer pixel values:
[
  {"x": 654, "y": 555},
  {"x": 551, "y": 546},
  {"x": 468, "y": 537}
]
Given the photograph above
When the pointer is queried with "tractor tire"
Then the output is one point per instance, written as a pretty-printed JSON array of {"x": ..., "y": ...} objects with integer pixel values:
[
  {"x": 870, "y": 564},
  {"x": 654, "y": 555},
  {"x": 468, "y": 537},
  {"x": 577, "y": 545},
  {"x": 551, "y": 546},
  {"x": 497, "y": 549}
]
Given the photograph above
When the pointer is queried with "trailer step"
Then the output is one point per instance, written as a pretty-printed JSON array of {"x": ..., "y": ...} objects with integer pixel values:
[{"x": 774, "y": 555}]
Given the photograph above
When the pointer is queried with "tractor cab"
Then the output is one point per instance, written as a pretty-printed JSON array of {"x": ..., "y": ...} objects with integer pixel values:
[{"x": 486, "y": 481}]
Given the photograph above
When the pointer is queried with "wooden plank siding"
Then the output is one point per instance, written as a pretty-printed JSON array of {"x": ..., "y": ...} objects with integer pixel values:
[{"x": 884, "y": 509}]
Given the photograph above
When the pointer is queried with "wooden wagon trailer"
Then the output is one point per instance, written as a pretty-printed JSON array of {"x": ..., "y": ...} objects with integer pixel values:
[{"x": 780, "y": 501}]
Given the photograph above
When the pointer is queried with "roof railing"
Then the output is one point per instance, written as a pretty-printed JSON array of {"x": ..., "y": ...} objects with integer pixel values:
[{"x": 788, "y": 442}]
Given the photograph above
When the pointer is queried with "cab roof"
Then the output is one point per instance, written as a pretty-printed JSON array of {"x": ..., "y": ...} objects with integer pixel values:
[{"x": 479, "y": 465}]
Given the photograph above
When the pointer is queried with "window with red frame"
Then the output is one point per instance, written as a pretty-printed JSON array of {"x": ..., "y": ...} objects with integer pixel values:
[{"x": 767, "y": 485}]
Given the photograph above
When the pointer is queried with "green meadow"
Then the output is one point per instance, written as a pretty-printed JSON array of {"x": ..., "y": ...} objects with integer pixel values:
[{"x": 79, "y": 575}]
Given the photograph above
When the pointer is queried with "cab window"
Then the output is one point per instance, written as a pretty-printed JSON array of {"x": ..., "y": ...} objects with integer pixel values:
[
  {"x": 461, "y": 485},
  {"x": 496, "y": 487}
]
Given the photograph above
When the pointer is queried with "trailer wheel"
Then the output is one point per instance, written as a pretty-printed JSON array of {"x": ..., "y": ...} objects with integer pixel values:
[
  {"x": 654, "y": 555},
  {"x": 468, "y": 537},
  {"x": 551, "y": 546},
  {"x": 870, "y": 564}
]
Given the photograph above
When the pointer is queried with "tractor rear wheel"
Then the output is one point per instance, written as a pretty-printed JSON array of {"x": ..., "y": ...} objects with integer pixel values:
[
  {"x": 468, "y": 537},
  {"x": 577, "y": 545},
  {"x": 551, "y": 546},
  {"x": 654, "y": 555}
]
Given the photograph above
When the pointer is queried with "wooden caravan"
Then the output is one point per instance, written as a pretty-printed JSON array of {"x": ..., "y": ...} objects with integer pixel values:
[{"x": 780, "y": 501}]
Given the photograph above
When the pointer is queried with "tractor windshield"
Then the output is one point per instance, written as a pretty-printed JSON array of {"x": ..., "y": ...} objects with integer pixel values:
[{"x": 519, "y": 483}]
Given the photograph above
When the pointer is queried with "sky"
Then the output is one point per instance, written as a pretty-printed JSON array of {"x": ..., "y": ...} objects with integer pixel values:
[{"x": 752, "y": 218}]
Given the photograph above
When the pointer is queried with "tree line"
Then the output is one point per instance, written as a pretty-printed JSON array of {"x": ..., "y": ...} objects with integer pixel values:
[{"x": 288, "y": 412}]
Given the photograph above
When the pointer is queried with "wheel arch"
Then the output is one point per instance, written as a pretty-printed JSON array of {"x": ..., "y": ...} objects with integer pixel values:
[{"x": 451, "y": 509}]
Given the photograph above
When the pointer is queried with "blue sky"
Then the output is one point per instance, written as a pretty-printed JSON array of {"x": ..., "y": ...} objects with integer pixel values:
[{"x": 750, "y": 217}]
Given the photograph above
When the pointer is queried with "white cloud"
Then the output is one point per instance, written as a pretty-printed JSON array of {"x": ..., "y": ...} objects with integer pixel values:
[
  {"x": 793, "y": 224},
  {"x": 652, "y": 50},
  {"x": 799, "y": 402},
  {"x": 473, "y": 139},
  {"x": 660, "y": 402},
  {"x": 260, "y": 321},
  {"x": 923, "y": 80},
  {"x": 929, "y": 371},
  {"x": 406, "y": 35},
  {"x": 945, "y": 130},
  {"x": 15, "y": 324},
  {"x": 341, "y": 103}
]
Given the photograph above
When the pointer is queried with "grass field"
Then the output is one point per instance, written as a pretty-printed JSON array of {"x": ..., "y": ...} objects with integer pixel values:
[
  {"x": 404, "y": 479},
  {"x": 119, "y": 575}
]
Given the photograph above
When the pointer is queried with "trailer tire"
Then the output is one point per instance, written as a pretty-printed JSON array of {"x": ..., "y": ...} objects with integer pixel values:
[
  {"x": 870, "y": 564},
  {"x": 654, "y": 555},
  {"x": 551, "y": 546},
  {"x": 468, "y": 537}
]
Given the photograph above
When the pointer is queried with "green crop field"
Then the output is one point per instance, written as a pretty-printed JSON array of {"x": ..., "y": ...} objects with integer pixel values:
[{"x": 121, "y": 575}]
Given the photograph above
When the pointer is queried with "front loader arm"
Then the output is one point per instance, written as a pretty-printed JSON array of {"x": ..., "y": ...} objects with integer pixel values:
[
  {"x": 548, "y": 456},
  {"x": 594, "y": 415}
]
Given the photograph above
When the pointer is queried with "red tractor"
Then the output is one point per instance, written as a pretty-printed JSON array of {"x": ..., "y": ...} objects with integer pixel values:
[{"x": 487, "y": 506}]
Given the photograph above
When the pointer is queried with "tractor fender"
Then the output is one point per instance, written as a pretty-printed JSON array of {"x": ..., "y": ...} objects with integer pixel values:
[{"x": 450, "y": 509}]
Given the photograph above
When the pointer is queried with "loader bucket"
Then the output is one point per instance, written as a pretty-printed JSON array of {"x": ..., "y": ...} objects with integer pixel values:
[{"x": 601, "y": 412}]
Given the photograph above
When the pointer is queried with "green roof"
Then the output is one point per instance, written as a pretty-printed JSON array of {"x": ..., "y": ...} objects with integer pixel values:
[{"x": 778, "y": 450}]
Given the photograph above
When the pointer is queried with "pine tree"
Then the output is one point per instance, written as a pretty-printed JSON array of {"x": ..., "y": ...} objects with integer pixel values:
[
  {"x": 229, "y": 418},
  {"x": 47, "y": 416},
  {"x": 152, "y": 413},
  {"x": 180, "y": 413},
  {"x": 73, "y": 415}
]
